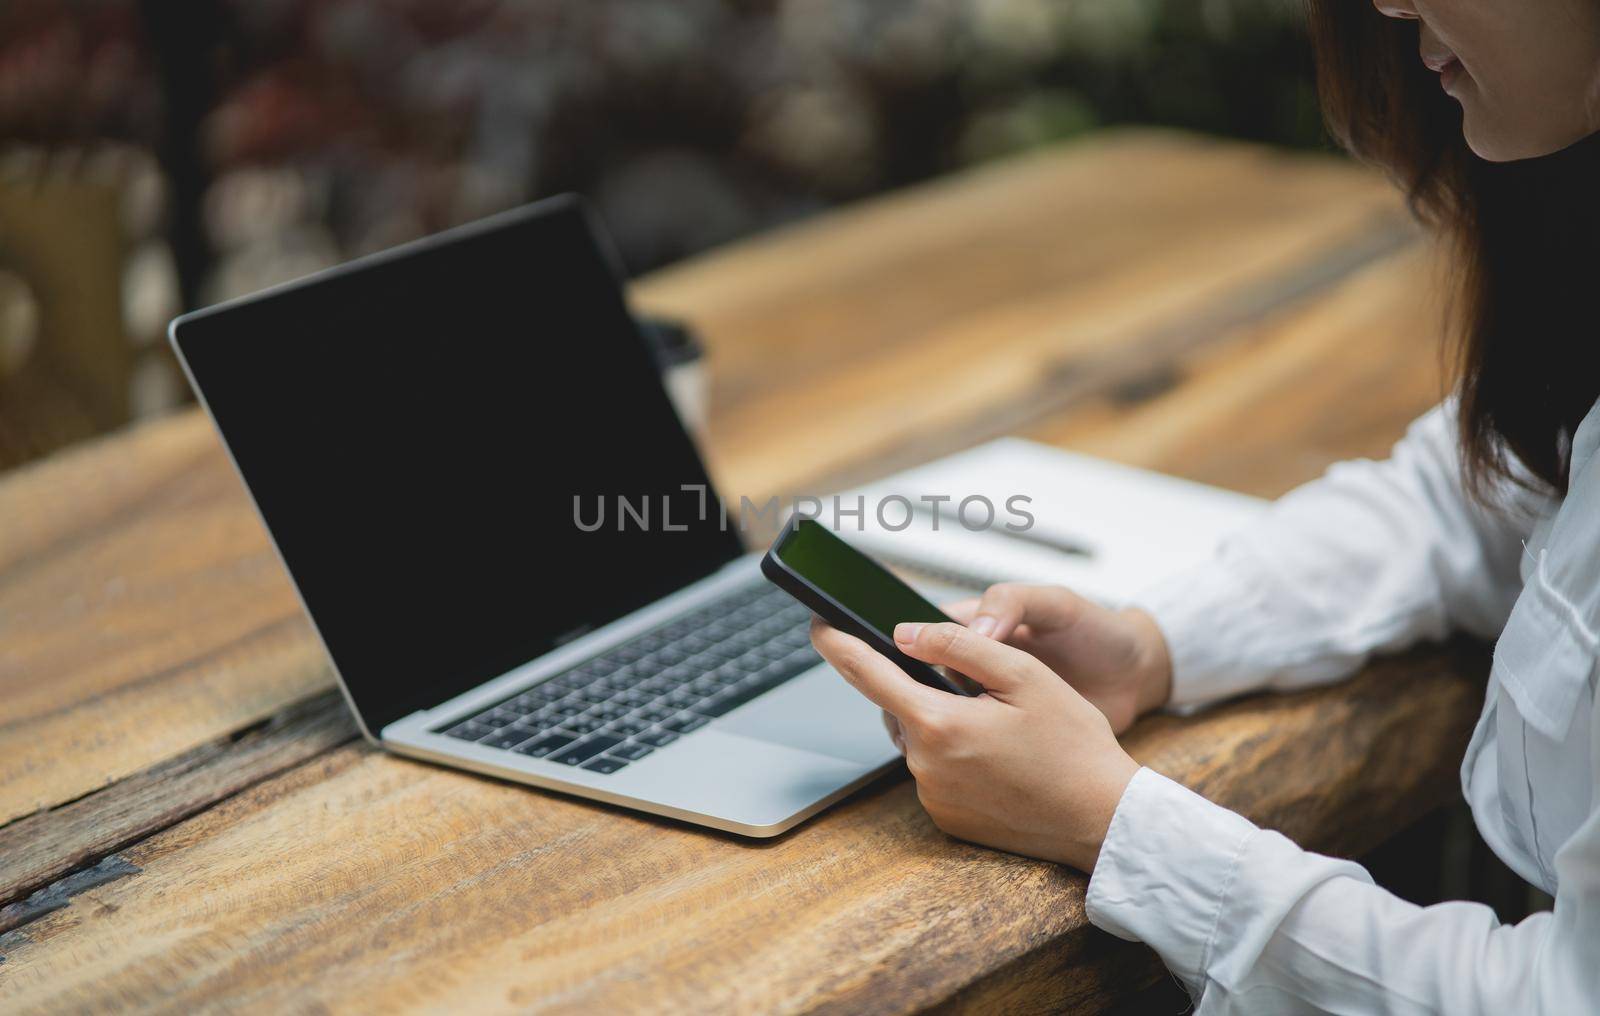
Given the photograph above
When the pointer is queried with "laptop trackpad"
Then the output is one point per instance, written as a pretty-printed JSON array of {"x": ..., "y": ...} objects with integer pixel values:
[{"x": 819, "y": 712}]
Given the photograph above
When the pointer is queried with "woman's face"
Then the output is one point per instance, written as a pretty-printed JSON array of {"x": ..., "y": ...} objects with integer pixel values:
[{"x": 1526, "y": 72}]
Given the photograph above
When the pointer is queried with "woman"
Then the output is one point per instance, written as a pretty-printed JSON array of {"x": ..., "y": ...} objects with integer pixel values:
[{"x": 1485, "y": 519}]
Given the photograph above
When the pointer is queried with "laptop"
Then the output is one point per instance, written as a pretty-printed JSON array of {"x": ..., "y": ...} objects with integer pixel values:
[{"x": 504, "y": 536}]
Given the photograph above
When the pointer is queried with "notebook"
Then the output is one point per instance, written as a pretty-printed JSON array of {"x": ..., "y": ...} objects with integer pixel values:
[{"x": 1103, "y": 529}]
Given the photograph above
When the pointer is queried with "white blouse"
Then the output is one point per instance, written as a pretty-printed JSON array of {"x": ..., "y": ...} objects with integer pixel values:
[{"x": 1372, "y": 557}]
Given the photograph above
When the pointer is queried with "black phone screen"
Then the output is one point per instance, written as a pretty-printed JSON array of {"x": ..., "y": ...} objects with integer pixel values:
[{"x": 854, "y": 580}]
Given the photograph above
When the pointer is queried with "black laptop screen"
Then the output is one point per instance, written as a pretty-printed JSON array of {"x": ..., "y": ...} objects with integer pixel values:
[{"x": 415, "y": 429}]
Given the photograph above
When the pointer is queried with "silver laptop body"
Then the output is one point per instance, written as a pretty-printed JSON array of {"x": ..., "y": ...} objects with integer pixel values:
[{"x": 758, "y": 769}]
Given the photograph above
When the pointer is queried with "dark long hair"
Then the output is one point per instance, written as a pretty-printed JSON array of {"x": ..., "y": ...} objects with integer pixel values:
[{"x": 1526, "y": 236}]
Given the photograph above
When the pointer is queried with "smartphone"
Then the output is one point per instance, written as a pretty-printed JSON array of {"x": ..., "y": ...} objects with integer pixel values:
[{"x": 852, "y": 592}]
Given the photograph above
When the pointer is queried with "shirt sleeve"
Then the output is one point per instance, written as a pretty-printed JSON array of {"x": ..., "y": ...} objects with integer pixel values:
[
  {"x": 1373, "y": 556},
  {"x": 1251, "y": 923}
]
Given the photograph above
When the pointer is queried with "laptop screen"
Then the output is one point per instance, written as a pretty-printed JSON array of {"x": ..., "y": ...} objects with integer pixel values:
[{"x": 415, "y": 428}]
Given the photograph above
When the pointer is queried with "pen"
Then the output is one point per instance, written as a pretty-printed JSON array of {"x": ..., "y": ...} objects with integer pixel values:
[{"x": 1058, "y": 544}]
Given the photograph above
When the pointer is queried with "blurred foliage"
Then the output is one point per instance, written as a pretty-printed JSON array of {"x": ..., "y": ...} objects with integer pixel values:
[{"x": 339, "y": 126}]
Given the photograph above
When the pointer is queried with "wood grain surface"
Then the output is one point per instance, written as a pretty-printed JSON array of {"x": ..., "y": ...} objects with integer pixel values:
[
  {"x": 1268, "y": 407},
  {"x": 374, "y": 883},
  {"x": 47, "y": 845},
  {"x": 955, "y": 311},
  {"x": 1215, "y": 310},
  {"x": 142, "y": 613}
]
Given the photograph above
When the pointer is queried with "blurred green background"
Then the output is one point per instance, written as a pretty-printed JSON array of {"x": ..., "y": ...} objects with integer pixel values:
[{"x": 159, "y": 155}]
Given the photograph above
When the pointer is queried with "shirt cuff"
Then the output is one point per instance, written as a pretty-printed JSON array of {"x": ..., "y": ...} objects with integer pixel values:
[
  {"x": 1210, "y": 619},
  {"x": 1165, "y": 871}
]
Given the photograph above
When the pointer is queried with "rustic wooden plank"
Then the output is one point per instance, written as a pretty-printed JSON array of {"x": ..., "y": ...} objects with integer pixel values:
[
  {"x": 48, "y": 845},
  {"x": 58, "y": 894},
  {"x": 363, "y": 881},
  {"x": 1138, "y": 365},
  {"x": 1071, "y": 974},
  {"x": 1270, "y": 408},
  {"x": 142, "y": 613},
  {"x": 881, "y": 324}
]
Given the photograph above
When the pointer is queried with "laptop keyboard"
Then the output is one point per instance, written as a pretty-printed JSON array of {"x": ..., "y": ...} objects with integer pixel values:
[{"x": 618, "y": 707}]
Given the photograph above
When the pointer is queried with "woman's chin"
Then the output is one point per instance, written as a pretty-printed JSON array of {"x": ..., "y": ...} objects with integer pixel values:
[
  {"x": 1494, "y": 149},
  {"x": 1493, "y": 140}
]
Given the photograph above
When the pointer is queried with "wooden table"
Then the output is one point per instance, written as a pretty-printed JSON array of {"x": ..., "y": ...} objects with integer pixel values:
[{"x": 191, "y": 825}]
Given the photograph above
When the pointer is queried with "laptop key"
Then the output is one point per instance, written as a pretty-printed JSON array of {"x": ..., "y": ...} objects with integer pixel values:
[
  {"x": 803, "y": 658},
  {"x": 678, "y": 674},
  {"x": 724, "y": 651},
  {"x": 630, "y": 652},
  {"x": 508, "y": 738},
  {"x": 585, "y": 750},
  {"x": 471, "y": 730},
  {"x": 632, "y": 751},
  {"x": 720, "y": 705},
  {"x": 775, "y": 673},
  {"x": 604, "y": 765},
  {"x": 624, "y": 679},
  {"x": 685, "y": 723},
  {"x": 774, "y": 650},
  {"x": 545, "y": 745},
  {"x": 582, "y": 724},
  {"x": 657, "y": 738},
  {"x": 627, "y": 728}
]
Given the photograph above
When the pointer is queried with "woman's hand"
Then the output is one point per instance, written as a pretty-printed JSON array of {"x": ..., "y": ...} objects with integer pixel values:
[
  {"x": 1116, "y": 659},
  {"x": 1029, "y": 766}
]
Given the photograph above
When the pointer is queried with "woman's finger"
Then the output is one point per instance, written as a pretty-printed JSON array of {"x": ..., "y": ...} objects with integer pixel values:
[
  {"x": 870, "y": 672},
  {"x": 1008, "y": 605},
  {"x": 998, "y": 667},
  {"x": 962, "y": 610}
]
